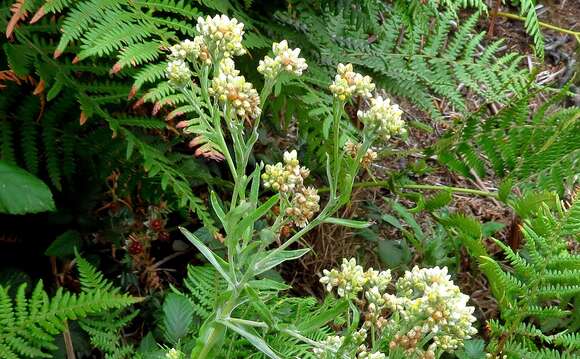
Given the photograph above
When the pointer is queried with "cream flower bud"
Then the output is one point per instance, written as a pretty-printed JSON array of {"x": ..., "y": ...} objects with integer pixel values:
[
  {"x": 285, "y": 59},
  {"x": 243, "y": 99},
  {"x": 305, "y": 203},
  {"x": 178, "y": 73},
  {"x": 348, "y": 83},
  {"x": 269, "y": 67},
  {"x": 383, "y": 118},
  {"x": 222, "y": 34}
]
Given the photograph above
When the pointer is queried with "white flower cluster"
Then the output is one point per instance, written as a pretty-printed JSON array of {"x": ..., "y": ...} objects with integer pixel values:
[
  {"x": 374, "y": 355},
  {"x": 352, "y": 148},
  {"x": 383, "y": 118},
  {"x": 348, "y": 83},
  {"x": 285, "y": 177},
  {"x": 219, "y": 37},
  {"x": 237, "y": 92},
  {"x": 285, "y": 59},
  {"x": 289, "y": 178},
  {"x": 330, "y": 345},
  {"x": 228, "y": 67},
  {"x": 334, "y": 342},
  {"x": 304, "y": 204},
  {"x": 182, "y": 51},
  {"x": 221, "y": 34},
  {"x": 433, "y": 299},
  {"x": 174, "y": 354},
  {"x": 352, "y": 279},
  {"x": 426, "y": 300},
  {"x": 178, "y": 73}
]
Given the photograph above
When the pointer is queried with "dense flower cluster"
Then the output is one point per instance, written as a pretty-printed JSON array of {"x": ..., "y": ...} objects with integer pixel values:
[
  {"x": 228, "y": 67},
  {"x": 289, "y": 178},
  {"x": 426, "y": 300},
  {"x": 431, "y": 297},
  {"x": 183, "y": 50},
  {"x": 221, "y": 34},
  {"x": 331, "y": 345},
  {"x": 352, "y": 279},
  {"x": 178, "y": 73},
  {"x": 174, "y": 354},
  {"x": 285, "y": 59},
  {"x": 383, "y": 118},
  {"x": 348, "y": 83},
  {"x": 238, "y": 93},
  {"x": 285, "y": 177},
  {"x": 304, "y": 205}
]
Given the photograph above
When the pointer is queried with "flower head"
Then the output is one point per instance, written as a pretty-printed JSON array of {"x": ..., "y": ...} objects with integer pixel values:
[
  {"x": 174, "y": 354},
  {"x": 178, "y": 73},
  {"x": 222, "y": 34},
  {"x": 305, "y": 203},
  {"x": 285, "y": 59},
  {"x": 437, "y": 302},
  {"x": 330, "y": 345},
  {"x": 228, "y": 67},
  {"x": 183, "y": 50},
  {"x": 383, "y": 118},
  {"x": 348, "y": 83},
  {"x": 238, "y": 93},
  {"x": 349, "y": 281},
  {"x": 286, "y": 177}
]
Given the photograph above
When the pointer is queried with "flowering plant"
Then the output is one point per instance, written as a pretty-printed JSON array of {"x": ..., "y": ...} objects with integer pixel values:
[
  {"x": 227, "y": 116},
  {"x": 426, "y": 316}
]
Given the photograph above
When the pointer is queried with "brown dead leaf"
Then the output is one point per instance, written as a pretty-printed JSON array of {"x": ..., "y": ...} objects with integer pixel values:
[
  {"x": 39, "y": 15},
  {"x": 19, "y": 13},
  {"x": 39, "y": 88},
  {"x": 83, "y": 118}
]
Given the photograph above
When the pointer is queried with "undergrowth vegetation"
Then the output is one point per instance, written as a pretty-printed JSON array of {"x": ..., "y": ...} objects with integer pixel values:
[{"x": 292, "y": 179}]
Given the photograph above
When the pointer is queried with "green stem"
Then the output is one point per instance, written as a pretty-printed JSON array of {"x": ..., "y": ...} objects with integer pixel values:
[
  {"x": 336, "y": 111},
  {"x": 422, "y": 186},
  {"x": 542, "y": 24},
  {"x": 215, "y": 331}
]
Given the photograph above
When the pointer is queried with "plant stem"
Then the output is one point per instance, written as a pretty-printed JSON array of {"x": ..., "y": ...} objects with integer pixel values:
[
  {"x": 542, "y": 24},
  {"x": 216, "y": 330},
  {"x": 422, "y": 186}
]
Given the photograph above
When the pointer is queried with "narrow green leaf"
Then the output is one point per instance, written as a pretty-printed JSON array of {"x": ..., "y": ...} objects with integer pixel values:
[
  {"x": 350, "y": 223},
  {"x": 219, "y": 264},
  {"x": 276, "y": 257},
  {"x": 256, "y": 341}
]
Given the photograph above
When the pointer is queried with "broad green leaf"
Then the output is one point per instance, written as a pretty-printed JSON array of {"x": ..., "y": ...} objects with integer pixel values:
[
  {"x": 177, "y": 317},
  {"x": 472, "y": 349},
  {"x": 21, "y": 192},
  {"x": 394, "y": 253},
  {"x": 65, "y": 244},
  {"x": 350, "y": 223},
  {"x": 219, "y": 264},
  {"x": 276, "y": 257}
]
